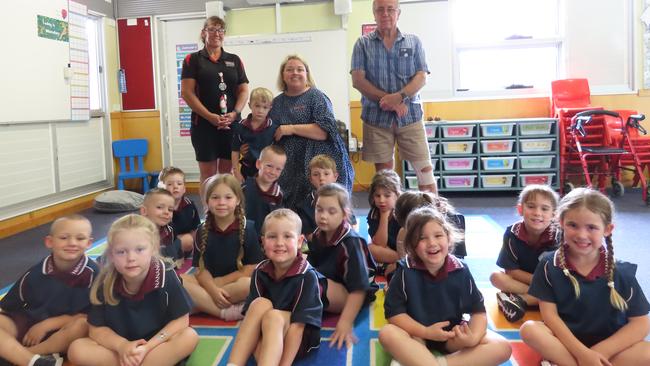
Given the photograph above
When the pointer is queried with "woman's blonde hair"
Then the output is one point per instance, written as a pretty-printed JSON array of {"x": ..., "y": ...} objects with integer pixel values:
[
  {"x": 421, "y": 216},
  {"x": 386, "y": 179},
  {"x": 108, "y": 275},
  {"x": 599, "y": 204},
  {"x": 213, "y": 20},
  {"x": 210, "y": 184},
  {"x": 281, "y": 84},
  {"x": 342, "y": 196}
]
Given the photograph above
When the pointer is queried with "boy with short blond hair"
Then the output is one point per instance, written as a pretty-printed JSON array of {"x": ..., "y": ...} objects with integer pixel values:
[
  {"x": 185, "y": 219},
  {"x": 252, "y": 134},
  {"x": 262, "y": 193},
  {"x": 46, "y": 308},
  {"x": 158, "y": 206}
]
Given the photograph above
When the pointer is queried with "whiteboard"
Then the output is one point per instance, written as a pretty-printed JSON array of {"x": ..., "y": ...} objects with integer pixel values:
[{"x": 31, "y": 67}]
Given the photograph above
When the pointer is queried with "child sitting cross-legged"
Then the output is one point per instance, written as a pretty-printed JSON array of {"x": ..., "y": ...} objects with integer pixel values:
[
  {"x": 284, "y": 307},
  {"x": 185, "y": 219},
  {"x": 45, "y": 310}
]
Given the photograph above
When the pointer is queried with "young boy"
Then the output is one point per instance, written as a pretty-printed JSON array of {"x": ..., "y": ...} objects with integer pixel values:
[
  {"x": 185, "y": 219},
  {"x": 262, "y": 194},
  {"x": 158, "y": 206},
  {"x": 46, "y": 308},
  {"x": 321, "y": 171},
  {"x": 253, "y": 134},
  {"x": 523, "y": 244}
]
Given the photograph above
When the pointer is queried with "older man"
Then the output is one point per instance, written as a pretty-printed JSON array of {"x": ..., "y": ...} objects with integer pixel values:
[{"x": 389, "y": 69}]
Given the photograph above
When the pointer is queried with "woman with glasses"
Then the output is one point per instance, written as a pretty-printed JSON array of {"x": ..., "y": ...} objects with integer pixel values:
[{"x": 214, "y": 85}]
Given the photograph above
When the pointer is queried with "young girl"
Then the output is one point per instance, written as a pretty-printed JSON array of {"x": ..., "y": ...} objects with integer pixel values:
[
  {"x": 140, "y": 312},
  {"x": 523, "y": 243},
  {"x": 593, "y": 310},
  {"x": 284, "y": 307},
  {"x": 382, "y": 225},
  {"x": 428, "y": 298},
  {"x": 341, "y": 255},
  {"x": 226, "y": 254}
]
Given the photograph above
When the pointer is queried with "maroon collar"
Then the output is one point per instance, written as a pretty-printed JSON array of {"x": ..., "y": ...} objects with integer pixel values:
[
  {"x": 599, "y": 270},
  {"x": 546, "y": 239},
  {"x": 248, "y": 124},
  {"x": 298, "y": 267},
  {"x": 273, "y": 195},
  {"x": 339, "y": 234},
  {"x": 154, "y": 280},
  {"x": 451, "y": 264},
  {"x": 233, "y": 227},
  {"x": 184, "y": 202},
  {"x": 166, "y": 234},
  {"x": 78, "y": 276}
]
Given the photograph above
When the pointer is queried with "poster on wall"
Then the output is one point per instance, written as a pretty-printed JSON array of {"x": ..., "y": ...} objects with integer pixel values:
[
  {"x": 184, "y": 111},
  {"x": 367, "y": 28},
  {"x": 51, "y": 28}
]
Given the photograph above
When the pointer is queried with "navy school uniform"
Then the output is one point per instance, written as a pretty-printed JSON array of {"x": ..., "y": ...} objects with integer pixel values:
[
  {"x": 458, "y": 220},
  {"x": 345, "y": 259},
  {"x": 393, "y": 227},
  {"x": 299, "y": 291},
  {"x": 259, "y": 203},
  {"x": 517, "y": 253},
  {"x": 222, "y": 248},
  {"x": 591, "y": 317},
  {"x": 161, "y": 299},
  {"x": 186, "y": 217},
  {"x": 430, "y": 299},
  {"x": 307, "y": 212},
  {"x": 258, "y": 139},
  {"x": 170, "y": 245},
  {"x": 44, "y": 292}
]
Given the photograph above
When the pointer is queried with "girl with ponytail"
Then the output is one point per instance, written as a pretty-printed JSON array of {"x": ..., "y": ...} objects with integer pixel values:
[
  {"x": 226, "y": 252},
  {"x": 593, "y": 309}
]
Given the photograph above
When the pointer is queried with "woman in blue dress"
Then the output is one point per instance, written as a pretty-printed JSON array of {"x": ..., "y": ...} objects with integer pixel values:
[{"x": 307, "y": 128}]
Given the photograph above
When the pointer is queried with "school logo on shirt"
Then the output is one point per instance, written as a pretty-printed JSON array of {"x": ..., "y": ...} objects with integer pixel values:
[{"x": 230, "y": 64}]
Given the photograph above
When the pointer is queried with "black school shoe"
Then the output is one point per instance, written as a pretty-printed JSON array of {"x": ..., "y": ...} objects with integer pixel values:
[
  {"x": 512, "y": 306},
  {"x": 47, "y": 360}
]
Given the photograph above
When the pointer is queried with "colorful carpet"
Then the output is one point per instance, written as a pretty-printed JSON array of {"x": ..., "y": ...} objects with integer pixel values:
[{"x": 483, "y": 240}]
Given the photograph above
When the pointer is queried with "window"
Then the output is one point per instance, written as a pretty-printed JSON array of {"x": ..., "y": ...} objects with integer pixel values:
[
  {"x": 95, "y": 65},
  {"x": 506, "y": 46}
]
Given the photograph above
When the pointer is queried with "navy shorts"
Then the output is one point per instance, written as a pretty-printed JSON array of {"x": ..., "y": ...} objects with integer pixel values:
[{"x": 210, "y": 143}]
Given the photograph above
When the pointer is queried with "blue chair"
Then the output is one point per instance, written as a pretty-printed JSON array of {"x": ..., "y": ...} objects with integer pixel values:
[{"x": 131, "y": 153}]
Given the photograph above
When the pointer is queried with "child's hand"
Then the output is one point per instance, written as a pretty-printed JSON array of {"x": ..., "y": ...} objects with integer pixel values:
[
  {"x": 222, "y": 298},
  {"x": 132, "y": 353},
  {"x": 36, "y": 333},
  {"x": 436, "y": 332},
  {"x": 344, "y": 332},
  {"x": 463, "y": 337},
  {"x": 592, "y": 358}
]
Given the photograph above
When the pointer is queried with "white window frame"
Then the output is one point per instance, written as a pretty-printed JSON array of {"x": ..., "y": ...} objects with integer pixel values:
[{"x": 99, "y": 19}]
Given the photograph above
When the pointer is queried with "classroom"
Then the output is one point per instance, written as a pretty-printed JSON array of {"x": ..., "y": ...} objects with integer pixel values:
[{"x": 112, "y": 69}]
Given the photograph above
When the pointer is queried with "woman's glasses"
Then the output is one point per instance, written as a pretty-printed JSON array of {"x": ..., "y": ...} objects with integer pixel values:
[{"x": 214, "y": 30}]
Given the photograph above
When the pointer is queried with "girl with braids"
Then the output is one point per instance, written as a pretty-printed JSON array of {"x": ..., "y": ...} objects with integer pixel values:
[
  {"x": 227, "y": 250},
  {"x": 140, "y": 312},
  {"x": 593, "y": 309}
]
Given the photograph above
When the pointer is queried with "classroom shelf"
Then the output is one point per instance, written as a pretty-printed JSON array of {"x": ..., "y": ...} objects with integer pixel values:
[{"x": 491, "y": 155}]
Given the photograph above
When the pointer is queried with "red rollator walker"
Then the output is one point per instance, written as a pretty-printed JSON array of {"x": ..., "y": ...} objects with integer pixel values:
[{"x": 599, "y": 140}]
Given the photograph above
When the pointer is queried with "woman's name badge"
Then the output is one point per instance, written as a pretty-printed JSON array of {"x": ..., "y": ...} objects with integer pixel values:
[{"x": 222, "y": 85}]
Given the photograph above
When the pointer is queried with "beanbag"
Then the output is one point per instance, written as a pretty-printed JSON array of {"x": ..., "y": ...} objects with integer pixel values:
[{"x": 118, "y": 201}]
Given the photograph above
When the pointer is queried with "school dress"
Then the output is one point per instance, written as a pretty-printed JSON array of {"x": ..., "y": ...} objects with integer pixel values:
[
  {"x": 298, "y": 291},
  {"x": 431, "y": 299},
  {"x": 344, "y": 259},
  {"x": 186, "y": 217},
  {"x": 160, "y": 300},
  {"x": 591, "y": 317},
  {"x": 260, "y": 203},
  {"x": 393, "y": 227},
  {"x": 257, "y": 139},
  {"x": 222, "y": 248},
  {"x": 170, "y": 245},
  {"x": 44, "y": 292},
  {"x": 517, "y": 253}
]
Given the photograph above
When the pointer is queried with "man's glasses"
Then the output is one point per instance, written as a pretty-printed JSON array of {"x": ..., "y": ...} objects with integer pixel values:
[
  {"x": 389, "y": 11},
  {"x": 213, "y": 30}
]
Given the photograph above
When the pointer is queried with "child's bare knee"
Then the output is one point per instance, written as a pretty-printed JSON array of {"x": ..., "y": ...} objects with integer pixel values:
[
  {"x": 272, "y": 320},
  {"x": 387, "y": 334},
  {"x": 260, "y": 304},
  {"x": 529, "y": 329},
  {"x": 76, "y": 351}
]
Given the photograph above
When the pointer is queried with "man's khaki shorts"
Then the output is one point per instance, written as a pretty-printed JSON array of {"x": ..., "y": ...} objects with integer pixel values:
[{"x": 378, "y": 143}]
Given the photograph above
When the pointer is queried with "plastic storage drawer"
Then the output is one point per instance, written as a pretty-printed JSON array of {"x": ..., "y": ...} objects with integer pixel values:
[
  {"x": 409, "y": 167},
  {"x": 540, "y": 178},
  {"x": 499, "y": 163},
  {"x": 497, "y": 146},
  {"x": 433, "y": 147},
  {"x": 533, "y": 145},
  {"x": 458, "y": 163},
  {"x": 535, "y": 162},
  {"x": 497, "y": 129},
  {"x": 458, "y": 147},
  {"x": 430, "y": 130},
  {"x": 459, "y": 181},
  {"x": 457, "y": 130},
  {"x": 497, "y": 181},
  {"x": 412, "y": 181},
  {"x": 535, "y": 128}
]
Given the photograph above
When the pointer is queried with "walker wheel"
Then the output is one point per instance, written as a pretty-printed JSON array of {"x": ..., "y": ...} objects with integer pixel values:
[
  {"x": 568, "y": 187},
  {"x": 617, "y": 189}
]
